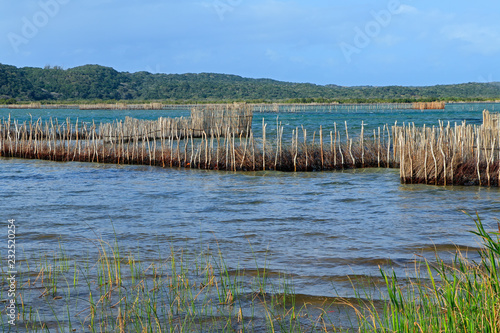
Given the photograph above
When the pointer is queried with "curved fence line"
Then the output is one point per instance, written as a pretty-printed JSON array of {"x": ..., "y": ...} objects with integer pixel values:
[{"x": 442, "y": 155}]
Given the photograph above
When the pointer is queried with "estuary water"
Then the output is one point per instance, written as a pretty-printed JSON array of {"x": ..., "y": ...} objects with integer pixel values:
[{"x": 323, "y": 228}]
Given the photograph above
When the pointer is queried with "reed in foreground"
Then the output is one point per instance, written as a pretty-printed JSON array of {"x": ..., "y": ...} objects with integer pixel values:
[
  {"x": 108, "y": 290},
  {"x": 463, "y": 296}
]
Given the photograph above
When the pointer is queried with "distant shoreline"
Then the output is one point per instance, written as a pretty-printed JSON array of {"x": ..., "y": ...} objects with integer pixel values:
[
  {"x": 261, "y": 106},
  {"x": 91, "y": 84},
  {"x": 160, "y": 105}
]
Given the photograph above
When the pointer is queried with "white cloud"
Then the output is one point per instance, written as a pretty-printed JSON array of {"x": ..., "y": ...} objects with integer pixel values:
[{"x": 475, "y": 38}]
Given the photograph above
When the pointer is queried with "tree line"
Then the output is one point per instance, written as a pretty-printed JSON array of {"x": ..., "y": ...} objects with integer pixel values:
[{"x": 94, "y": 83}]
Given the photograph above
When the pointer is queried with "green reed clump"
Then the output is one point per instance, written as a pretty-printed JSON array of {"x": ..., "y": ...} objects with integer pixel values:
[
  {"x": 463, "y": 296},
  {"x": 107, "y": 291}
]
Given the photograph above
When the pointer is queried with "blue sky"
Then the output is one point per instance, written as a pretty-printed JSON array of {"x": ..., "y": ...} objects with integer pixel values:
[{"x": 357, "y": 42}]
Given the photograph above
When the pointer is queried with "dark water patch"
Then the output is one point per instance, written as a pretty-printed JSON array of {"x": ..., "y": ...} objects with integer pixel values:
[
  {"x": 313, "y": 194},
  {"x": 248, "y": 236},
  {"x": 349, "y": 200},
  {"x": 334, "y": 184},
  {"x": 167, "y": 194},
  {"x": 332, "y": 237},
  {"x": 20, "y": 177},
  {"x": 71, "y": 208},
  {"x": 250, "y": 203},
  {"x": 353, "y": 278},
  {"x": 121, "y": 217},
  {"x": 359, "y": 261},
  {"x": 438, "y": 248},
  {"x": 314, "y": 234},
  {"x": 47, "y": 237},
  {"x": 263, "y": 272}
]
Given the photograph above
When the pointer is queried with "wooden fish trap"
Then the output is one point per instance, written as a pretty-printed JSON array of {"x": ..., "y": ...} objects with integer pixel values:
[
  {"x": 121, "y": 106},
  {"x": 462, "y": 154},
  {"x": 33, "y": 105},
  {"x": 136, "y": 142},
  {"x": 139, "y": 129},
  {"x": 448, "y": 155},
  {"x": 217, "y": 120},
  {"x": 429, "y": 106},
  {"x": 337, "y": 107},
  {"x": 221, "y": 120},
  {"x": 491, "y": 120}
]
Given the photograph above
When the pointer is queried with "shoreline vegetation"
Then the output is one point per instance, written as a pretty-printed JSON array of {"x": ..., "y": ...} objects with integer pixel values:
[
  {"x": 257, "y": 107},
  {"x": 92, "y": 84},
  {"x": 262, "y": 106},
  {"x": 110, "y": 289}
]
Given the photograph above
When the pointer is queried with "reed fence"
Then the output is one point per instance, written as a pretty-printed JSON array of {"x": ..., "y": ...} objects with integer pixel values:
[
  {"x": 429, "y": 106},
  {"x": 216, "y": 150},
  {"x": 461, "y": 154},
  {"x": 121, "y": 106},
  {"x": 217, "y": 119},
  {"x": 256, "y": 107},
  {"x": 491, "y": 120},
  {"x": 139, "y": 129},
  {"x": 97, "y": 106}
]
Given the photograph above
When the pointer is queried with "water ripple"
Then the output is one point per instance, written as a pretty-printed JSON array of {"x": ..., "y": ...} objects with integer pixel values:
[{"x": 322, "y": 227}]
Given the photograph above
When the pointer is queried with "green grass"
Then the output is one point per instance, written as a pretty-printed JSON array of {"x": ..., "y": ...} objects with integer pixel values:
[
  {"x": 461, "y": 296},
  {"x": 109, "y": 290}
]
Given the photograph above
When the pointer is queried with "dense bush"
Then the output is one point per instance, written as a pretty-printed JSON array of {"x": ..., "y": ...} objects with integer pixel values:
[{"x": 94, "y": 82}]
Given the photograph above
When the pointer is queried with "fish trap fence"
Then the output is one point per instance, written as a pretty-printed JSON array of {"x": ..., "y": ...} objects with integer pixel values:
[
  {"x": 449, "y": 155},
  {"x": 461, "y": 154},
  {"x": 221, "y": 119},
  {"x": 344, "y": 107},
  {"x": 139, "y": 129},
  {"x": 429, "y": 105},
  {"x": 491, "y": 120},
  {"x": 300, "y": 151}
]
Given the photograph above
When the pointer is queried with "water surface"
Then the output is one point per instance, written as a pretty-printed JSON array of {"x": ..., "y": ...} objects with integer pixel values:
[{"x": 321, "y": 227}]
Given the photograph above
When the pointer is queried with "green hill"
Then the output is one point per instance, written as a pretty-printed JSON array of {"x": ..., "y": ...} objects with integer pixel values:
[{"x": 94, "y": 82}]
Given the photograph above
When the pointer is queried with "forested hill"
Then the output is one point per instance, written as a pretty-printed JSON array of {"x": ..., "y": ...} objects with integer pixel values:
[{"x": 94, "y": 82}]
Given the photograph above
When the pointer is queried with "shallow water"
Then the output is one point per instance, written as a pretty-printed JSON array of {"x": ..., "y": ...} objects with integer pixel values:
[{"x": 321, "y": 227}]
